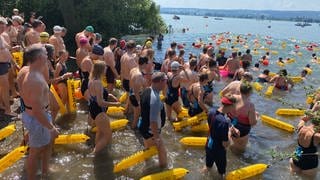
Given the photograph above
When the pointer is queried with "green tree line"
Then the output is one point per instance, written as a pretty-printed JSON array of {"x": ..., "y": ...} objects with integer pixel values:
[{"x": 111, "y": 18}]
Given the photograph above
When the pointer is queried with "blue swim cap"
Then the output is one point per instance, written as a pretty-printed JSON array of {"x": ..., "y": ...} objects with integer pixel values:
[{"x": 97, "y": 49}]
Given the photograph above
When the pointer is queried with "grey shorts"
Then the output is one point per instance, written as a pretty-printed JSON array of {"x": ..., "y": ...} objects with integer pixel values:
[{"x": 38, "y": 135}]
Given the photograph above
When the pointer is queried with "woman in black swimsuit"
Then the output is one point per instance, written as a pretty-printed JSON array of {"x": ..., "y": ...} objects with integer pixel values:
[
  {"x": 98, "y": 106},
  {"x": 306, "y": 160}
]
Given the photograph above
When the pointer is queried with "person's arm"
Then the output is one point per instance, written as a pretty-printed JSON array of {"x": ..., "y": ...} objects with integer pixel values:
[
  {"x": 155, "y": 105},
  {"x": 98, "y": 89},
  {"x": 273, "y": 79},
  {"x": 226, "y": 64},
  {"x": 57, "y": 71},
  {"x": 252, "y": 115},
  {"x": 201, "y": 102}
]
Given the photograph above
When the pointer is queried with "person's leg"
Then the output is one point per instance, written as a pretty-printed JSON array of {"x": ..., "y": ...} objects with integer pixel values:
[
  {"x": 32, "y": 162},
  {"x": 136, "y": 115},
  {"x": 54, "y": 106},
  {"x": 46, "y": 154},
  {"x": 293, "y": 167},
  {"x": 168, "y": 111},
  {"x": 162, "y": 154},
  {"x": 11, "y": 79},
  {"x": 221, "y": 162},
  {"x": 103, "y": 134},
  {"x": 239, "y": 144},
  {"x": 4, "y": 82},
  {"x": 63, "y": 92},
  {"x": 176, "y": 106}
]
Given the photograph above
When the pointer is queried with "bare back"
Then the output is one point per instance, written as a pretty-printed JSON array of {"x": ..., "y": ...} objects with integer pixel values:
[{"x": 128, "y": 62}]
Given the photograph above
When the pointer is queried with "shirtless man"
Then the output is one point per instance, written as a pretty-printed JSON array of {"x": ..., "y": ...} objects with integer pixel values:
[
  {"x": 57, "y": 41},
  {"x": 108, "y": 56},
  {"x": 81, "y": 53},
  {"x": 167, "y": 62},
  {"x": 88, "y": 33},
  {"x": 128, "y": 62},
  {"x": 206, "y": 57},
  {"x": 281, "y": 81},
  {"x": 190, "y": 76},
  {"x": 137, "y": 84},
  {"x": 33, "y": 36},
  {"x": 36, "y": 118},
  {"x": 232, "y": 65},
  {"x": 234, "y": 87},
  {"x": 5, "y": 59}
]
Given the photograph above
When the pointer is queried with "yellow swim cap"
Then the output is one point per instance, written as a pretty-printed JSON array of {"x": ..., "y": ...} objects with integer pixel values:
[{"x": 148, "y": 44}]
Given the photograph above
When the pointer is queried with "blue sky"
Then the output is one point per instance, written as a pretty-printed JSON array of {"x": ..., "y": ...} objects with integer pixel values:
[{"x": 313, "y": 5}]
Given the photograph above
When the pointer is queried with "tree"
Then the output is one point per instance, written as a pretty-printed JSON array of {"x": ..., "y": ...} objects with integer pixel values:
[{"x": 109, "y": 17}]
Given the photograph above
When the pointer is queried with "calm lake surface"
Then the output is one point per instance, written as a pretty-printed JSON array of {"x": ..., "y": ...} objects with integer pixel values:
[{"x": 72, "y": 161}]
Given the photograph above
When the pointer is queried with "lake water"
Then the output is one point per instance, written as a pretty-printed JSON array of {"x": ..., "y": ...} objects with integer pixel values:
[{"x": 72, "y": 162}]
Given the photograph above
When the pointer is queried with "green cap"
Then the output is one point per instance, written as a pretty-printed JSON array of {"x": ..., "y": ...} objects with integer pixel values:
[{"x": 90, "y": 29}]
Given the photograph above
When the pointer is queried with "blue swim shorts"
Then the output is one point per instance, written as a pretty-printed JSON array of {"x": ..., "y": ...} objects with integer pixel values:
[{"x": 38, "y": 135}]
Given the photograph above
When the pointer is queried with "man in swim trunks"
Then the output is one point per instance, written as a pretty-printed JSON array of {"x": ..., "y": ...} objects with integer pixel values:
[
  {"x": 108, "y": 56},
  {"x": 218, "y": 139},
  {"x": 153, "y": 116},
  {"x": 128, "y": 62},
  {"x": 57, "y": 41},
  {"x": 137, "y": 84},
  {"x": 36, "y": 118},
  {"x": 5, "y": 60},
  {"x": 33, "y": 36},
  {"x": 232, "y": 65}
]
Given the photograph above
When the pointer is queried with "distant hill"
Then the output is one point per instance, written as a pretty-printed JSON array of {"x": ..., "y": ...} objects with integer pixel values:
[{"x": 307, "y": 16}]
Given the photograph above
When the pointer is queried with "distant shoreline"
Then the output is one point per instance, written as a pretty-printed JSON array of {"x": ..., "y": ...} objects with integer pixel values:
[{"x": 293, "y": 16}]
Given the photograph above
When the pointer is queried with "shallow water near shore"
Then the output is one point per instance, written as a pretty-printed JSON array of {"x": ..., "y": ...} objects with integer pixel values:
[{"x": 74, "y": 162}]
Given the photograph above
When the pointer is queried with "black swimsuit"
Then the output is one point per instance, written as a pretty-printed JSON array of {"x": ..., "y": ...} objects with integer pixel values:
[
  {"x": 94, "y": 108},
  {"x": 62, "y": 72},
  {"x": 172, "y": 92},
  {"x": 307, "y": 158},
  {"x": 84, "y": 82}
]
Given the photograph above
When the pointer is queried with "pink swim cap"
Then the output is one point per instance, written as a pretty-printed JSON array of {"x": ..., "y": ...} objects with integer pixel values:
[{"x": 83, "y": 40}]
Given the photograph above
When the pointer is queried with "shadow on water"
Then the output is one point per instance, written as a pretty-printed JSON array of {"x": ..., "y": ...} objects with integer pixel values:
[{"x": 103, "y": 165}]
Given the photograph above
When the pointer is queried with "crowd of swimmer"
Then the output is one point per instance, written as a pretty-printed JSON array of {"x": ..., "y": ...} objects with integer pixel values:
[{"x": 193, "y": 80}]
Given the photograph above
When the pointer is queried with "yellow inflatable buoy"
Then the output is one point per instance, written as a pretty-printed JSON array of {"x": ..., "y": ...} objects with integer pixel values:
[
  {"x": 115, "y": 111},
  {"x": 291, "y": 60},
  {"x": 190, "y": 121},
  {"x": 12, "y": 157},
  {"x": 194, "y": 141},
  {"x": 176, "y": 173},
  {"x": 71, "y": 96},
  {"x": 309, "y": 100},
  {"x": 290, "y": 112},
  {"x": 135, "y": 159},
  {"x": 269, "y": 90},
  {"x": 104, "y": 81},
  {"x": 309, "y": 70},
  {"x": 115, "y": 125},
  {"x": 280, "y": 64},
  {"x": 257, "y": 86},
  {"x": 274, "y": 52},
  {"x": 62, "y": 108},
  {"x": 7, "y": 131},
  {"x": 200, "y": 128},
  {"x": 18, "y": 58},
  {"x": 71, "y": 139},
  {"x": 123, "y": 98},
  {"x": 296, "y": 79},
  {"x": 246, "y": 172},
  {"x": 277, "y": 123}
]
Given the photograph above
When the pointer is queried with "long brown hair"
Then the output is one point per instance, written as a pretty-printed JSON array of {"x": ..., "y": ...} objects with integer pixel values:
[{"x": 97, "y": 70}]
